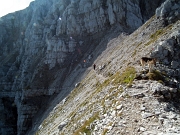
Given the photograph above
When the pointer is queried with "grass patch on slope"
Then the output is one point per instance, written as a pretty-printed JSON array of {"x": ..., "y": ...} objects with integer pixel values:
[
  {"x": 85, "y": 127},
  {"x": 155, "y": 36},
  {"x": 155, "y": 75},
  {"x": 126, "y": 77},
  {"x": 157, "y": 33},
  {"x": 161, "y": 77}
]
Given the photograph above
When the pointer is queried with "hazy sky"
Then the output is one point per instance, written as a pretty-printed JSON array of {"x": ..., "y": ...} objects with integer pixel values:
[{"x": 8, "y": 6}]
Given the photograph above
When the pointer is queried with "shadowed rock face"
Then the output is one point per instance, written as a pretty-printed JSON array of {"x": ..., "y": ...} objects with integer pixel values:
[{"x": 40, "y": 45}]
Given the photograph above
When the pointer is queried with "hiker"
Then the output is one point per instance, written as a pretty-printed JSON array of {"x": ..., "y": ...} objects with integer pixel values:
[{"x": 94, "y": 66}]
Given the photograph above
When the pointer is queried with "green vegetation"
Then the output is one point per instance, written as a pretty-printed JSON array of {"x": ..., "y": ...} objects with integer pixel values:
[
  {"x": 134, "y": 53},
  {"x": 157, "y": 33},
  {"x": 161, "y": 77},
  {"x": 114, "y": 80},
  {"x": 85, "y": 127},
  {"x": 126, "y": 77},
  {"x": 155, "y": 36},
  {"x": 105, "y": 131},
  {"x": 99, "y": 86},
  {"x": 109, "y": 74},
  {"x": 148, "y": 43},
  {"x": 139, "y": 44},
  {"x": 155, "y": 75}
]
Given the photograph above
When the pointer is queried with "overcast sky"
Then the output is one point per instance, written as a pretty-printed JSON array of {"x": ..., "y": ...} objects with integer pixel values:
[{"x": 8, "y": 6}]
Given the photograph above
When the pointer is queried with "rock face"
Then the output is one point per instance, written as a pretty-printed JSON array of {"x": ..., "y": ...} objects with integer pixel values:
[
  {"x": 167, "y": 51},
  {"x": 169, "y": 11},
  {"x": 41, "y": 45},
  {"x": 107, "y": 102}
]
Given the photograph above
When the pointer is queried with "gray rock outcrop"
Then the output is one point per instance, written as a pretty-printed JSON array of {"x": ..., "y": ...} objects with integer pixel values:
[{"x": 169, "y": 11}]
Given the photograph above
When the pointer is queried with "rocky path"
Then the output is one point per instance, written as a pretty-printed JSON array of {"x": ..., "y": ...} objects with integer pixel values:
[
  {"x": 138, "y": 111},
  {"x": 134, "y": 111}
]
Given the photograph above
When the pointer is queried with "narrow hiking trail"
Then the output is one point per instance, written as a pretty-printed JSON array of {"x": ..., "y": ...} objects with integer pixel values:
[{"x": 121, "y": 109}]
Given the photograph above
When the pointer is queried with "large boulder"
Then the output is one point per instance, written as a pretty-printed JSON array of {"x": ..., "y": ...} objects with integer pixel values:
[{"x": 169, "y": 11}]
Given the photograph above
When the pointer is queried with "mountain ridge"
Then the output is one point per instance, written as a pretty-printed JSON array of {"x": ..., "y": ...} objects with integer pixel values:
[
  {"x": 103, "y": 105},
  {"x": 57, "y": 41},
  {"x": 112, "y": 120}
]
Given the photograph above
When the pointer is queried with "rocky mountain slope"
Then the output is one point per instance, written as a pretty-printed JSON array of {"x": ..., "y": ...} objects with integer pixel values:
[
  {"x": 50, "y": 46},
  {"x": 118, "y": 97}
]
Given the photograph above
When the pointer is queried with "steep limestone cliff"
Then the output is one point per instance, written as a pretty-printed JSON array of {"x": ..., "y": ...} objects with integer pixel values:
[{"x": 41, "y": 45}]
